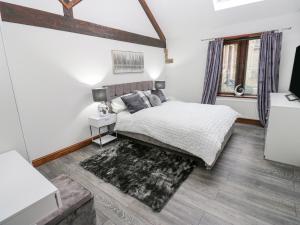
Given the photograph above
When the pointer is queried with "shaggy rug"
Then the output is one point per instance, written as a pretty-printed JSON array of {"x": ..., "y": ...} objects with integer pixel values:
[{"x": 145, "y": 172}]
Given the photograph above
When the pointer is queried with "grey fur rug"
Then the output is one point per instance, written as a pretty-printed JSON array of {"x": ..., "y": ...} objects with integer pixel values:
[{"x": 145, "y": 172}]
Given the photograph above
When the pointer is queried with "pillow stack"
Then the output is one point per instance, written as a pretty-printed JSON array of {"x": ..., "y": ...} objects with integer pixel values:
[{"x": 137, "y": 101}]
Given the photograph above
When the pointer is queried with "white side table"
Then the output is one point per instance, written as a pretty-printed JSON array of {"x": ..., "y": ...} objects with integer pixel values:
[
  {"x": 25, "y": 195},
  {"x": 100, "y": 122}
]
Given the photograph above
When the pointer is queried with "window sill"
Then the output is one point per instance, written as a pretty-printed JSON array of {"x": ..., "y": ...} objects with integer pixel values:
[{"x": 238, "y": 97}]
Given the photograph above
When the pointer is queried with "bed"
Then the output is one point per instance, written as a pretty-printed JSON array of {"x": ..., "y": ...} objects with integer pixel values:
[{"x": 197, "y": 130}]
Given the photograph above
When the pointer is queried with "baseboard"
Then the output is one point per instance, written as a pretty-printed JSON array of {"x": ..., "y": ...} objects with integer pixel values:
[
  {"x": 249, "y": 121},
  {"x": 55, "y": 155}
]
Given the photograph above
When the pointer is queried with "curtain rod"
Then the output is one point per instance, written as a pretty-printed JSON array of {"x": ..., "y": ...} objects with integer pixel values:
[{"x": 277, "y": 30}]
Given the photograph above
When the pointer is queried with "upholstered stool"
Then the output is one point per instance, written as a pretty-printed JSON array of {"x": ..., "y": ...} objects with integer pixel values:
[{"x": 77, "y": 204}]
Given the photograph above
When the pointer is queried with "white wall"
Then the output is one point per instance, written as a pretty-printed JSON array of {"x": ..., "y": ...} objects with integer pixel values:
[
  {"x": 11, "y": 137},
  {"x": 53, "y": 73},
  {"x": 186, "y": 76}
]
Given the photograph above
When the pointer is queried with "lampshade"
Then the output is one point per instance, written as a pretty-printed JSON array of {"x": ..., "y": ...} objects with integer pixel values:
[
  {"x": 100, "y": 94},
  {"x": 160, "y": 84}
]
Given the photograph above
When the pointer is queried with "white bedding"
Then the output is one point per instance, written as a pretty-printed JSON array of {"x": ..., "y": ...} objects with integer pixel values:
[{"x": 196, "y": 128}]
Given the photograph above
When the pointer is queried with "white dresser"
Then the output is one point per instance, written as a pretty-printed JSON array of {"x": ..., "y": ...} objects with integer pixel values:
[
  {"x": 25, "y": 195},
  {"x": 283, "y": 133}
]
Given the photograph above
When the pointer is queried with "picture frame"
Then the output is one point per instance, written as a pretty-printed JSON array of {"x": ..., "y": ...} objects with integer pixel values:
[{"x": 125, "y": 62}]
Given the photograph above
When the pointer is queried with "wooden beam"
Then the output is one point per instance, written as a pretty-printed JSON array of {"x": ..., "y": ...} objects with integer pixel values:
[
  {"x": 152, "y": 20},
  {"x": 157, "y": 29},
  {"x": 167, "y": 59},
  {"x": 69, "y": 4},
  {"x": 33, "y": 17},
  {"x": 68, "y": 12}
]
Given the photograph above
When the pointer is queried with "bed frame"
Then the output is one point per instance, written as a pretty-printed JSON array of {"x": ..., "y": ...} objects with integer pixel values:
[{"x": 118, "y": 90}]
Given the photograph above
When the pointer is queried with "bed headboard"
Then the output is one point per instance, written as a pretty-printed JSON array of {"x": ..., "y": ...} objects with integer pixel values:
[{"x": 118, "y": 90}]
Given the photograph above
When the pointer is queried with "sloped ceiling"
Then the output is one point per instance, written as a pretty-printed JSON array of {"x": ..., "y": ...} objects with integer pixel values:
[
  {"x": 191, "y": 17},
  {"x": 177, "y": 18}
]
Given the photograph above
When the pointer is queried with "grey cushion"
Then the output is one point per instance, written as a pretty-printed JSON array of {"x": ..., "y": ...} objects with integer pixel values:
[
  {"x": 134, "y": 103},
  {"x": 144, "y": 97},
  {"x": 73, "y": 197},
  {"x": 154, "y": 100},
  {"x": 160, "y": 94}
]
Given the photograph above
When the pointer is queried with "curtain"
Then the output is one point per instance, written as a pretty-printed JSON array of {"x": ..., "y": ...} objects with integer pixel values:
[
  {"x": 268, "y": 77},
  {"x": 213, "y": 71}
]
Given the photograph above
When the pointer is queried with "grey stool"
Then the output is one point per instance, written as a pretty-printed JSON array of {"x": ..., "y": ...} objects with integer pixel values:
[{"x": 77, "y": 204}]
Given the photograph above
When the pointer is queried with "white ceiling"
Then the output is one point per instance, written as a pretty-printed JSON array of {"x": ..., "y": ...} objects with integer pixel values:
[
  {"x": 177, "y": 18},
  {"x": 187, "y": 17}
]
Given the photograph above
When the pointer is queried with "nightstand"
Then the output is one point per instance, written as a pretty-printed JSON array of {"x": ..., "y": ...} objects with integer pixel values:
[{"x": 101, "y": 122}]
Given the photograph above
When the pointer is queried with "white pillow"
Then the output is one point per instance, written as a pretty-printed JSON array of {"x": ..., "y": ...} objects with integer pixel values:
[{"x": 117, "y": 105}]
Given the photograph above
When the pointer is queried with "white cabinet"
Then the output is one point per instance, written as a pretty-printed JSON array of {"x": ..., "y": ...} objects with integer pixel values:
[
  {"x": 283, "y": 133},
  {"x": 25, "y": 195}
]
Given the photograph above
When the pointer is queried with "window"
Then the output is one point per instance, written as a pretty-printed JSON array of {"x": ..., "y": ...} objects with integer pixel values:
[
  {"x": 240, "y": 66},
  {"x": 226, "y": 4}
]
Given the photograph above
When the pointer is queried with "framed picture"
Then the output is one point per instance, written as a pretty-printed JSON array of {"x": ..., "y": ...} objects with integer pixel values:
[{"x": 127, "y": 62}]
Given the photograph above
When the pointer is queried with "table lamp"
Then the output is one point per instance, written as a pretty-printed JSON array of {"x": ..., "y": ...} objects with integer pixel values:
[
  {"x": 101, "y": 95},
  {"x": 160, "y": 85}
]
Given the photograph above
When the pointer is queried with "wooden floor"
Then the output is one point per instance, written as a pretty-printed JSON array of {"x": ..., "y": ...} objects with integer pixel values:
[{"x": 242, "y": 189}]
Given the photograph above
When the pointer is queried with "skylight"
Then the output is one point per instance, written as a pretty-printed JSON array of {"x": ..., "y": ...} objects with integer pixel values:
[{"x": 225, "y": 4}]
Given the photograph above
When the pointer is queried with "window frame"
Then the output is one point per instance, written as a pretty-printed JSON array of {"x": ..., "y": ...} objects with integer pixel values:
[{"x": 242, "y": 59}]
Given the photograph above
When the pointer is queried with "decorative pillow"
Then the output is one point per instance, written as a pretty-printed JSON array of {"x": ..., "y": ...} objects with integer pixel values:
[
  {"x": 142, "y": 94},
  {"x": 160, "y": 94},
  {"x": 147, "y": 93},
  {"x": 163, "y": 91},
  {"x": 134, "y": 103},
  {"x": 154, "y": 100},
  {"x": 118, "y": 105}
]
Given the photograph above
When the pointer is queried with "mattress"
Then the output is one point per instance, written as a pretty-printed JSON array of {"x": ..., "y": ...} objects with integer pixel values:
[{"x": 198, "y": 129}]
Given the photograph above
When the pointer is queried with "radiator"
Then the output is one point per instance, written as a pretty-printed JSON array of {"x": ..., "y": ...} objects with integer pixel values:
[{"x": 246, "y": 107}]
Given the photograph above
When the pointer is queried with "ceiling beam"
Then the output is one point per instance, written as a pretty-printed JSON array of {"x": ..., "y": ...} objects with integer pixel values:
[
  {"x": 69, "y": 4},
  {"x": 157, "y": 29},
  {"x": 152, "y": 20},
  {"x": 33, "y": 17},
  {"x": 68, "y": 12}
]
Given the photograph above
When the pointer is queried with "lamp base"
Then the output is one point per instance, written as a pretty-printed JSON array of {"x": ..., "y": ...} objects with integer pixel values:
[
  {"x": 101, "y": 114},
  {"x": 103, "y": 109}
]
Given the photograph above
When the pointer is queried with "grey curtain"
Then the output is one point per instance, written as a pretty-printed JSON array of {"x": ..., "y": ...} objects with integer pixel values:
[
  {"x": 268, "y": 77},
  {"x": 213, "y": 71}
]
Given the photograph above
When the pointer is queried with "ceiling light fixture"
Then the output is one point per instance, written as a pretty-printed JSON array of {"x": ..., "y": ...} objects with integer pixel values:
[{"x": 226, "y": 4}]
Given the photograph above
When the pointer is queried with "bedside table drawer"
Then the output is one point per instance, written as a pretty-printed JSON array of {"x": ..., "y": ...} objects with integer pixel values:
[{"x": 103, "y": 121}]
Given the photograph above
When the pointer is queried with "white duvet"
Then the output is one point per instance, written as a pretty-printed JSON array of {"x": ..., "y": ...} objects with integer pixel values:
[{"x": 196, "y": 128}]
